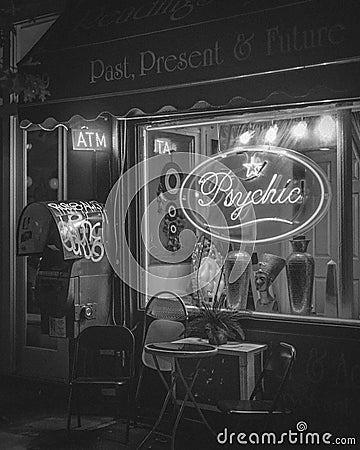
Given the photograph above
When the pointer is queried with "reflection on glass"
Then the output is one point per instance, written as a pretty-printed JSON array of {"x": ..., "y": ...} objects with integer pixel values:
[
  {"x": 310, "y": 146},
  {"x": 42, "y": 184}
]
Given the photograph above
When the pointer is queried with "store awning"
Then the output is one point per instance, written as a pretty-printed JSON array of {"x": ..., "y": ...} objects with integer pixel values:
[{"x": 150, "y": 56}]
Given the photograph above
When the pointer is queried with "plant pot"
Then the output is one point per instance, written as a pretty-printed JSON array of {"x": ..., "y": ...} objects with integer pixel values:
[{"x": 217, "y": 337}]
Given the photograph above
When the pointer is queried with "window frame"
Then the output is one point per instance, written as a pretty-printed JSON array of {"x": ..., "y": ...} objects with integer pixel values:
[{"x": 349, "y": 309}]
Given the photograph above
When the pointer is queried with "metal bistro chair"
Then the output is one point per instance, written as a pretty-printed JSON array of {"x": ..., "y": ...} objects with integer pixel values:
[
  {"x": 165, "y": 319},
  {"x": 104, "y": 357},
  {"x": 266, "y": 398}
]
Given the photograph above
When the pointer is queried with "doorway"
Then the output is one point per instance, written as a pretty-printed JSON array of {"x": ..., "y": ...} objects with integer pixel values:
[{"x": 39, "y": 355}]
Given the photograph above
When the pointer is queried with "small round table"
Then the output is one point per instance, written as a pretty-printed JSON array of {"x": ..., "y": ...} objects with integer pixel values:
[{"x": 178, "y": 351}]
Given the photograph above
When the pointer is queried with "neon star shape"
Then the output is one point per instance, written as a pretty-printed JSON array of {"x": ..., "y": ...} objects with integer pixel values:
[{"x": 253, "y": 168}]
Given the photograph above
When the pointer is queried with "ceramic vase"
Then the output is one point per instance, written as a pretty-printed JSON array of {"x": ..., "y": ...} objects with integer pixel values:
[
  {"x": 331, "y": 292},
  {"x": 237, "y": 275},
  {"x": 300, "y": 276}
]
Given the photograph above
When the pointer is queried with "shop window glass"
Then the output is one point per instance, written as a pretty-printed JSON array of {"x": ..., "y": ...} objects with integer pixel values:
[
  {"x": 356, "y": 208},
  {"x": 85, "y": 174},
  {"x": 309, "y": 136},
  {"x": 42, "y": 184},
  {"x": 89, "y": 160}
]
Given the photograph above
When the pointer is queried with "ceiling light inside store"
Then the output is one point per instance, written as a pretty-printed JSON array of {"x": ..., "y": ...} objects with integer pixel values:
[
  {"x": 300, "y": 130},
  {"x": 327, "y": 128},
  {"x": 245, "y": 137},
  {"x": 271, "y": 134}
]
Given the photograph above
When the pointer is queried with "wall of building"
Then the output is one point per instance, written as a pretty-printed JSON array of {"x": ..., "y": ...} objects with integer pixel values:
[{"x": 15, "y": 45}]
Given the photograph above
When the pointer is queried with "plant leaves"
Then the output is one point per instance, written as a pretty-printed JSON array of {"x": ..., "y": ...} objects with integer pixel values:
[{"x": 215, "y": 317}]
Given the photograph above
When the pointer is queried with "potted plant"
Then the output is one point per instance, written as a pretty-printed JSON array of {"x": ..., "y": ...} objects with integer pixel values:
[{"x": 217, "y": 323}]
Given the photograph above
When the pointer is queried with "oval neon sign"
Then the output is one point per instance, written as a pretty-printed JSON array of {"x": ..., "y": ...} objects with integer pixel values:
[{"x": 256, "y": 194}]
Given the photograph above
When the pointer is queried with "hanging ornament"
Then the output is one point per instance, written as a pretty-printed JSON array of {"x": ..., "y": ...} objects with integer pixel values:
[{"x": 174, "y": 223}]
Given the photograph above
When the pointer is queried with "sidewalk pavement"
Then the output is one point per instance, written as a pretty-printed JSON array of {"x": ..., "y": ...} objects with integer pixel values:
[{"x": 33, "y": 417}]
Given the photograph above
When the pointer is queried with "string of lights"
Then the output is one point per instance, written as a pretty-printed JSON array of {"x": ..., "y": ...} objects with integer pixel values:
[{"x": 325, "y": 130}]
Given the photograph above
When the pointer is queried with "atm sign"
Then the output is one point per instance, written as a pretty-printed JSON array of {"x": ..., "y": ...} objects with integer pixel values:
[{"x": 85, "y": 139}]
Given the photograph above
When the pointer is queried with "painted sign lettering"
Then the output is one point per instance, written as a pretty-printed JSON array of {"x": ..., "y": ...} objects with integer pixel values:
[
  {"x": 271, "y": 43},
  {"x": 109, "y": 72},
  {"x": 153, "y": 63},
  {"x": 85, "y": 139},
  {"x": 225, "y": 40},
  {"x": 164, "y": 146},
  {"x": 175, "y": 10},
  {"x": 279, "y": 41},
  {"x": 256, "y": 193}
]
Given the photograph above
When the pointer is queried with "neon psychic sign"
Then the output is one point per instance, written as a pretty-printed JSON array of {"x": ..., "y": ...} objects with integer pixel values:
[{"x": 255, "y": 194}]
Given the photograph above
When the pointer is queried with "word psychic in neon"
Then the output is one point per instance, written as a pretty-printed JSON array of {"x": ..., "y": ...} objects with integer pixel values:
[
  {"x": 217, "y": 187},
  {"x": 243, "y": 193}
]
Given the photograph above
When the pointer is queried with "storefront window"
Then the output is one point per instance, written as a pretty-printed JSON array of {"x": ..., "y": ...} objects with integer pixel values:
[
  {"x": 356, "y": 208},
  {"x": 42, "y": 183},
  {"x": 89, "y": 155},
  {"x": 291, "y": 160}
]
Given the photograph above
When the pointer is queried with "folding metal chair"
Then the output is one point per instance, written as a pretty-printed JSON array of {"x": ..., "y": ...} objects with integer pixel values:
[
  {"x": 104, "y": 357},
  {"x": 267, "y": 395},
  {"x": 165, "y": 319}
]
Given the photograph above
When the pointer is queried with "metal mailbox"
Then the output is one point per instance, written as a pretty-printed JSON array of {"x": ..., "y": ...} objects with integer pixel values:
[{"x": 73, "y": 285}]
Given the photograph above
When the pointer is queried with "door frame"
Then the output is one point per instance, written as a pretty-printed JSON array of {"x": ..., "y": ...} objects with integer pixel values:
[{"x": 51, "y": 364}]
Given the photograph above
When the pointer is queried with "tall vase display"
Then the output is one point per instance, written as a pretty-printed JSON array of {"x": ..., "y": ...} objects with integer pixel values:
[
  {"x": 300, "y": 276},
  {"x": 237, "y": 276}
]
